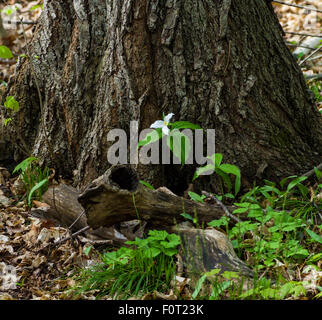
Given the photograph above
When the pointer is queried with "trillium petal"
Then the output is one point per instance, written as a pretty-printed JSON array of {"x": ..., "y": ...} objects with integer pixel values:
[
  {"x": 157, "y": 124},
  {"x": 168, "y": 117},
  {"x": 165, "y": 130}
]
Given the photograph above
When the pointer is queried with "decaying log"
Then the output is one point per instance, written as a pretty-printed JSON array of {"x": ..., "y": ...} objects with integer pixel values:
[
  {"x": 109, "y": 200},
  {"x": 204, "y": 250},
  {"x": 64, "y": 206},
  {"x": 65, "y": 209},
  {"x": 118, "y": 196}
]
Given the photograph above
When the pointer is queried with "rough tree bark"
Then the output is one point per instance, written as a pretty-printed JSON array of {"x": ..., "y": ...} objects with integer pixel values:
[{"x": 222, "y": 64}]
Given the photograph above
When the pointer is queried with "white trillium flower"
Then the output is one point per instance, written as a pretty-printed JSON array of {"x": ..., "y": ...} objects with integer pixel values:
[{"x": 163, "y": 123}]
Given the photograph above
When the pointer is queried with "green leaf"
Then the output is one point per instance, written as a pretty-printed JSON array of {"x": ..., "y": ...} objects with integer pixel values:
[
  {"x": 223, "y": 221},
  {"x": 24, "y": 164},
  {"x": 12, "y": 104},
  {"x": 315, "y": 257},
  {"x": 270, "y": 189},
  {"x": 184, "y": 125},
  {"x": 304, "y": 190},
  {"x": 151, "y": 137},
  {"x": 199, "y": 286},
  {"x": 87, "y": 250},
  {"x": 295, "y": 182},
  {"x": 5, "y": 52},
  {"x": 229, "y": 168},
  {"x": 35, "y": 188},
  {"x": 179, "y": 144},
  {"x": 36, "y": 7},
  {"x": 216, "y": 159},
  {"x": 237, "y": 185},
  {"x": 200, "y": 171},
  {"x": 225, "y": 177},
  {"x": 6, "y": 121},
  {"x": 314, "y": 236},
  {"x": 9, "y": 10},
  {"x": 240, "y": 210},
  {"x": 283, "y": 181},
  {"x": 152, "y": 252},
  {"x": 187, "y": 216},
  {"x": 174, "y": 239},
  {"x": 146, "y": 184},
  {"x": 231, "y": 275},
  {"x": 158, "y": 234},
  {"x": 196, "y": 197},
  {"x": 318, "y": 173}
]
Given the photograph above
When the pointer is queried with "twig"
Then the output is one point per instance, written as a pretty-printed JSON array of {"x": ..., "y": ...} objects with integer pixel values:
[
  {"x": 211, "y": 196},
  {"x": 297, "y": 6},
  {"x": 298, "y": 46},
  {"x": 313, "y": 76},
  {"x": 314, "y": 58},
  {"x": 80, "y": 215},
  {"x": 18, "y": 22},
  {"x": 310, "y": 55},
  {"x": 305, "y": 34},
  {"x": 72, "y": 236},
  {"x": 311, "y": 172}
]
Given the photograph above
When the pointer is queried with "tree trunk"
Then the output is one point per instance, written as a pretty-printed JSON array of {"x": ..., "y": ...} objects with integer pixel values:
[{"x": 220, "y": 64}]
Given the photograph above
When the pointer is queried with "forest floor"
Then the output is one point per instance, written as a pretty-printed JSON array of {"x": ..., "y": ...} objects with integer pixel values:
[{"x": 44, "y": 270}]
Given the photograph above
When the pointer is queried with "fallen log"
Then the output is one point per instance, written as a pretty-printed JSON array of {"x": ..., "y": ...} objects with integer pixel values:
[
  {"x": 64, "y": 206},
  {"x": 64, "y": 209},
  {"x": 118, "y": 196}
]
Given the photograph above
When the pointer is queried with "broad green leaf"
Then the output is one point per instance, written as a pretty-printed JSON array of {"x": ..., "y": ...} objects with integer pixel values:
[
  {"x": 24, "y": 164},
  {"x": 216, "y": 159},
  {"x": 5, "y": 52},
  {"x": 6, "y": 121},
  {"x": 151, "y": 137},
  {"x": 187, "y": 216},
  {"x": 12, "y": 104},
  {"x": 158, "y": 234},
  {"x": 229, "y": 168},
  {"x": 314, "y": 236},
  {"x": 152, "y": 252},
  {"x": 240, "y": 210},
  {"x": 223, "y": 221},
  {"x": 174, "y": 239},
  {"x": 200, "y": 171},
  {"x": 184, "y": 125},
  {"x": 196, "y": 197},
  {"x": 179, "y": 144}
]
